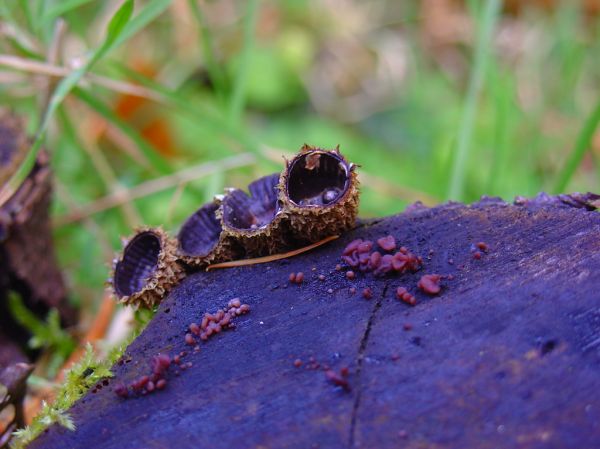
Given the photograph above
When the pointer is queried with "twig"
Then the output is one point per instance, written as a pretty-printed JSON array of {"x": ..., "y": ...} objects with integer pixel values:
[
  {"x": 272, "y": 258},
  {"x": 155, "y": 185},
  {"x": 44, "y": 68}
]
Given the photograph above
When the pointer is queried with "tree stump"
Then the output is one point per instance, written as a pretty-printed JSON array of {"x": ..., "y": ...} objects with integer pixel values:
[
  {"x": 28, "y": 264},
  {"x": 507, "y": 355}
]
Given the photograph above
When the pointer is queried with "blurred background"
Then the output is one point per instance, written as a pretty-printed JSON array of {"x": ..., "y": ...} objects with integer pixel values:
[{"x": 434, "y": 99}]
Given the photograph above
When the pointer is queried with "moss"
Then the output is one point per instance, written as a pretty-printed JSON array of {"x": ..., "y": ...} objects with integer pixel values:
[{"x": 78, "y": 380}]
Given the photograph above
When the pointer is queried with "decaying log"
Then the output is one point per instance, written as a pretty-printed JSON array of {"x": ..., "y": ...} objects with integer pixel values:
[
  {"x": 27, "y": 261},
  {"x": 507, "y": 355},
  {"x": 13, "y": 386}
]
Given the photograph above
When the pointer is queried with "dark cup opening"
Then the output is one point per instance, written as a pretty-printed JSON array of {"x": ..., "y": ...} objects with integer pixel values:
[
  {"x": 317, "y": 178},
  {"x": 256, "y": 211},
  {"x": 139, "y": 262},
  {"x": 200, "y": 233}
]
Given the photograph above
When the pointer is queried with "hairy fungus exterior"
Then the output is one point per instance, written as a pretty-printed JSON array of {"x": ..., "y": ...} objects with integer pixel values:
[
  {"x": 201, "y": 240},
  {"x": 147, "y": 268},
  {"x": 319, "y": 192},
  {"x": 255, "y": 221}
]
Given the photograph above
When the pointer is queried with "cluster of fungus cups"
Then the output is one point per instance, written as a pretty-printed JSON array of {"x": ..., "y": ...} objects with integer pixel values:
[{"x": 315, "y": 197}]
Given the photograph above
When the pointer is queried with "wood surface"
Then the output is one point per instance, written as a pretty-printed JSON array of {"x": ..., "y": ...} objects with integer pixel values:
[{"x": 506, "y": 356}]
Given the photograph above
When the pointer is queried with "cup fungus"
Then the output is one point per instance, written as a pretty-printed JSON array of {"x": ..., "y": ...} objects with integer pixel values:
[
  {"x": 202, "y": 240},
  {"x": 319, "y": 192},
  {"x": 147, "y": 269},
  {"x": 255, "y": 220}
]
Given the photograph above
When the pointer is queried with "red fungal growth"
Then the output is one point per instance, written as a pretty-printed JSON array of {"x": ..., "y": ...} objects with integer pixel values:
[
  {"x": 387, "y": 243},
  {"x": 189, "y": 340},
  {"x": 476, "y": 255},
  {"x": 321, "y": 277},
  {"x": 299, "y": 277},
  {"x": 337, "y": 379},
  {"x": 292, "y": 277},
  {"x": 160, "y": 363},
  {"x": 161, "y": 384},
  {"x": 375, "y": 260},
  {"x": 297, "y": 363},
  {"x": 350, "y": 275},
  {"x": 351, "y": 247},
  {"x": 403, "y": 295},
  {"x": 338, "y": 267},
  {"x": 235, "y": 302},
  {"x": 430, "y": 284},
  {"x": 345, "y": 371},
  {"x": 482, "y": 246},
  {"x": 365, "y": 247},
  {"x": 195, "y": 329},
  {"x": 121, "y": 390},
  {"x": 367, "y": 293}
]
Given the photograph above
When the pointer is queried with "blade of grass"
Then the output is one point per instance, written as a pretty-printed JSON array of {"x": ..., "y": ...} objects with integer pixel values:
[
  {"x": 238, "y": 94},
  {"x": 214, "y": 71},
  {"x": 151, "y": 11},
  {"x": 489, "y": 17},
  {"x": 63, "y": 7},
  {"x": 44, "y": 68},
  {"x": 502, "y": 93},
  {"x": 157, "y": 185},
  {"x": 102, "y": 167},
  {"x": 582, "y": 145},
  {"x": 158, "y": 163},
  {"x": 115, "y": 27}
]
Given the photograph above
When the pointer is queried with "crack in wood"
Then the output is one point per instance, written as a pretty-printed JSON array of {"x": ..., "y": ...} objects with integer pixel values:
[{"x": 359, "y": 360}]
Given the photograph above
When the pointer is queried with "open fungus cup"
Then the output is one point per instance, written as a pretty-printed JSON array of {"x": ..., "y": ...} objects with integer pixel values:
[
  {"x": 201, "y": 240},
  {"x": 319, "y": 191},
  {"x": 147, "y": 269},
  {"x": 255, "y": 220}
]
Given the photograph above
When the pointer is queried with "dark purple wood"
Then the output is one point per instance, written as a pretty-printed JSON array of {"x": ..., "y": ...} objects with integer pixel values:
[{"x": 508, "y": 355}]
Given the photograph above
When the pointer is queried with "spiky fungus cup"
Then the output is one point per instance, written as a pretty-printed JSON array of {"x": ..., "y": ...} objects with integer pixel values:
[
  {"x": 319, "y": 192},
  {"x": 255, "y": 221},
  {"x": 147, "y": 269},
  {"x": 201, "y": 240}
]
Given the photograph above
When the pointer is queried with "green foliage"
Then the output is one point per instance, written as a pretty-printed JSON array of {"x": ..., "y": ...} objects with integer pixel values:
[
  {"x": 78, "y": 380},
  {"x": 47, "y": 335}
]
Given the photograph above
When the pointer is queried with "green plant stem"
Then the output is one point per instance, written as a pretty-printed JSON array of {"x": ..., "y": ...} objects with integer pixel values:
[
  {"x": 465, "y": 133},
  {"x": 582, "y": 145},
  {"x": 238, "y": 95},
  {"x": 214, "y": 70}
]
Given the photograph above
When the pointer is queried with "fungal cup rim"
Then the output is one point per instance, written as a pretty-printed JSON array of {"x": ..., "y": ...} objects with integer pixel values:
[{"x": 347, "y": 167}]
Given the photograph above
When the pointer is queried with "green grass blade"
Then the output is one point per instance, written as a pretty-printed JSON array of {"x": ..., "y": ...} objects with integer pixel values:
[
  {"x": 62, "y": 8},
  {"x": 582, "y": 145},
  {"x": 238, "y": 94},
  {"x": 151, "y": 11},
  {"x": 214, "y": 71},
  {"x": 465, "y": 134},
  {"x": 116, "y": 26}
]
